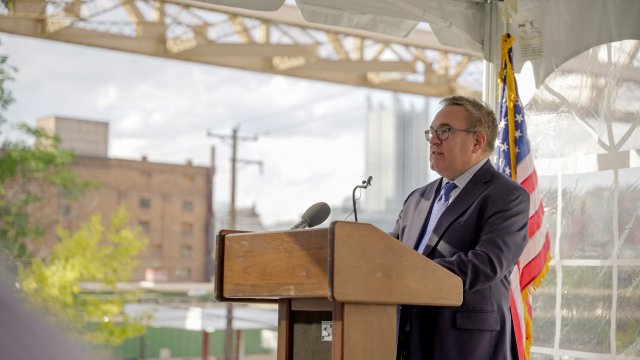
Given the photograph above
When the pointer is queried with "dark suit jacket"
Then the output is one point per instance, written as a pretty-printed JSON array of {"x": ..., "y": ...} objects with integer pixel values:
[{"x": 480, "y": 236}]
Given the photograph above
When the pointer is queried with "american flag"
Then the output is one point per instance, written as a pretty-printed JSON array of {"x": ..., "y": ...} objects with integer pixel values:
[{"x": 513, "y": 158}]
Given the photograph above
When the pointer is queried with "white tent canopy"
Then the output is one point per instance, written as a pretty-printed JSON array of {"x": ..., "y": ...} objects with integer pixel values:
[
  {"x": 549, "y": 32},
  {"x": 584, "y": 127}
]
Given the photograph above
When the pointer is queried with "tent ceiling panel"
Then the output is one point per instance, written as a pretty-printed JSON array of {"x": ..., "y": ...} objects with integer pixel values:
[{"x": 548, "y": 32}]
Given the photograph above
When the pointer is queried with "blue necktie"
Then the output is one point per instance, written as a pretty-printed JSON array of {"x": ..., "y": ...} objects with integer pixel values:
[{"x": 438, "y": 209}]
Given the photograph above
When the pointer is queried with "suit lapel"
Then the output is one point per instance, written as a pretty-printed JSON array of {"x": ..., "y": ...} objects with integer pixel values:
[
  {"x": 420, "y": 215},
  {"x": 467, "y": 196}
]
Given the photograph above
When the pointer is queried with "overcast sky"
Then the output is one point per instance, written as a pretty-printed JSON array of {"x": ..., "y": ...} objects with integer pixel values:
[{"x": 310, "y": 133}]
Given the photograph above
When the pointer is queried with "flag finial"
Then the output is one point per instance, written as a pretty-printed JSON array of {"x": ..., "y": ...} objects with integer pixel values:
[{"x": 508, "y": 7}]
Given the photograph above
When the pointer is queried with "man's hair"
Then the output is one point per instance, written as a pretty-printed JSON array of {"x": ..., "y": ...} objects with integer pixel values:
[{"x": 480, "y": 117}]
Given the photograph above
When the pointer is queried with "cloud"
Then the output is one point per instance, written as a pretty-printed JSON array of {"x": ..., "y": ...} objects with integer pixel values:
[
  {"x": 303, "y": 171},
  {"x": 107, "y": 96},
  {"x": 310, "y": 133}
]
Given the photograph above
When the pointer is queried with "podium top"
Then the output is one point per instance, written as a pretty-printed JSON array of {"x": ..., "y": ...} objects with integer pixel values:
[{"x": 347, "y": 262}]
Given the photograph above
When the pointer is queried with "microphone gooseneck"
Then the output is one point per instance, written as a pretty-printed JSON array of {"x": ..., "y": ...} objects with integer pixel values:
[{"x": 365, "y": 184}]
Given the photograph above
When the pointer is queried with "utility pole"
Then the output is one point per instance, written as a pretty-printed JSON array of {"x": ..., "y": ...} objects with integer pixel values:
[
  {"x": 228, "y": 336},
  {"x": 234, "y": 160}
]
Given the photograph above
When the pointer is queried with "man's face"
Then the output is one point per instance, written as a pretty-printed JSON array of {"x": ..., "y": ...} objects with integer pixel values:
[{"x": 453, "y": 156}]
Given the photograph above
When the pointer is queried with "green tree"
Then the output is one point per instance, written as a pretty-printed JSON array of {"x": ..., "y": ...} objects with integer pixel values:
[
  {"x": 33, "y": 169},
  {"x": 6, "y": 75},
  {"x": 93, "y": 254},
  {"x": 35, "y": 173}
]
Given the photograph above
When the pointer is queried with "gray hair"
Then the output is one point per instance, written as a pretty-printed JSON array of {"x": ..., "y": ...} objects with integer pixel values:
[{"x": 480, "y": 118}]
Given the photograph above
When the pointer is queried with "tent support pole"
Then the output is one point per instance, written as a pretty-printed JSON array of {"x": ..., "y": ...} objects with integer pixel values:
[{"x": 491, "y": 47}]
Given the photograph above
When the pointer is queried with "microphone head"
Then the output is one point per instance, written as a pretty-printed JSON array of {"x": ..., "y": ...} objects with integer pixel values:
[
  {"x": 316, "y": 214},
  {"x": 369, "y": 179}
]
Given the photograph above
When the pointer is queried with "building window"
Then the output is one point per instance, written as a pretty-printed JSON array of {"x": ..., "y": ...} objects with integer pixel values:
[
  {"x": 186, "y": 229},
  {"x": 64, "y": 210},
  {"x": 122, "y": 196},
  {"x": 145, "y": 175},
  {"x": 144, "y": 203},
  {"x": 183, "y": 273},
  {"x": 64, "y": 194},
  {"x": 145, "y": 226},
  {"x": 187, "y": 205},
  {"x": 185, "y": 251},
  {"x": 156, "y": 251}
]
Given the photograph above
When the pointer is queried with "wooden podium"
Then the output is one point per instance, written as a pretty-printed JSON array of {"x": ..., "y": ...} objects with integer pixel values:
[{"x": 347, "y": 278}]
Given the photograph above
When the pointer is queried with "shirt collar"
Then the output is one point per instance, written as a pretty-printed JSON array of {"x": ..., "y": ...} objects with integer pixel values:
[{"x": 463, "y": 179}]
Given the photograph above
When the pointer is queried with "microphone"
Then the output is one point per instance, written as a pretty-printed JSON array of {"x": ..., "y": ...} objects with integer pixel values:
[{"x": 315, "y": 215}]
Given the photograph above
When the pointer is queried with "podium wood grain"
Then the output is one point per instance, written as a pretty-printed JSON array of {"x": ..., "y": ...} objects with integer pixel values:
[
  {"x": 368, "y": 332},
  {"x": 371, "y": 267},
  {"x": 276, "y": 264},
  {"x": 353, "y": 274}
]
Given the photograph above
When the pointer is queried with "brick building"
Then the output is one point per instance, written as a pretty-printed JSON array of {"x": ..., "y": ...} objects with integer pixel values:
[{"x": 171, "y": 203}]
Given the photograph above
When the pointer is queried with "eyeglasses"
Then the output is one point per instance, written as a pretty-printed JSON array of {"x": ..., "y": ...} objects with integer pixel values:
[{"x": 443, "y": 133}]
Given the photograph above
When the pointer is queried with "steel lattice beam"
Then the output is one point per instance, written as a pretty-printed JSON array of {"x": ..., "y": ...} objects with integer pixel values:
[{"x": 277, "y": 42}]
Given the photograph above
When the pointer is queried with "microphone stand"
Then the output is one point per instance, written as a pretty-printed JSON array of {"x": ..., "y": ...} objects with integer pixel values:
[{"x": 365, "y": 184}]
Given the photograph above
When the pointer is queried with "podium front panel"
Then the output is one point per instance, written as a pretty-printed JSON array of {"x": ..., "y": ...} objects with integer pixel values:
[
  {"x": 287, "y": 264},
  {"x": 369, "y": 266}
]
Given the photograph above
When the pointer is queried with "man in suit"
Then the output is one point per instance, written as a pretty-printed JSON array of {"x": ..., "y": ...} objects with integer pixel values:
[{"x": 472, "y": 221}]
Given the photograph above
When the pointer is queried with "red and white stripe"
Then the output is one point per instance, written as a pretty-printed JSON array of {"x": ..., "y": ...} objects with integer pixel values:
[{"x": 534, "y": 257}]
